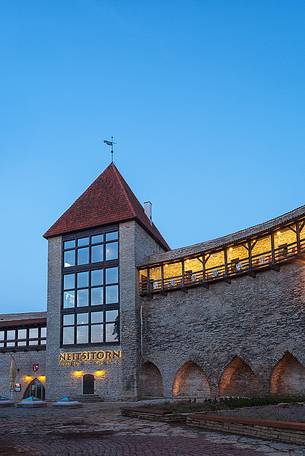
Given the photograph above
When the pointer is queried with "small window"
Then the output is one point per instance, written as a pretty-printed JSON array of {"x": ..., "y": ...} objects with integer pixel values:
[
  {"x": 69, "y": 244},
  {"x": 21, "y": 333},
  {"x": 97, "y": 317},
  {"x": 113, "y": 236},
  {"x": 98, "y": 239},
  {"x": 82, "y": 335},
  {"x": 68, "y": 335},
  {"x": 82, "y": 318},
  {"x": 33, "y": 333},
  {"x": 43, "y": 332},
  {"x": 82, "y": 298},
  {"x": 96, "y": 296},
  {"x": 112, "y": 251},
  {"x": 69, "y": 258},
  {"x": 68, "y": 319},
  {"x": 111, "y": 333},
  {"x": 1, "y": 335},
  {"x": 69, "y": 281},
  {"x": 112, "y": 294},
  {"x": 97, "y": 277},
  {"x": 97, "y": 333},
  {"x": 97, "y": 253},
  {"x": 11, "y": 335},
  {"x": 112, "y": 275},
  {"x": 83, "y": 256},
  {"x": 83, "y": 241},
  {"x": 82, "y": 279},
  {"x": 111, "y": 315},
  {"x": 69, "y": 299}
]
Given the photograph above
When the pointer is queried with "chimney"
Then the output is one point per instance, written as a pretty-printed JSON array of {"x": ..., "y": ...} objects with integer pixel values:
[{"x": 148, "y": 210}]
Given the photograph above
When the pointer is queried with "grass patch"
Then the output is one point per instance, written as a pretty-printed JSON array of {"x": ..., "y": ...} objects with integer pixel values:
[{"x": 222, "y": 403}]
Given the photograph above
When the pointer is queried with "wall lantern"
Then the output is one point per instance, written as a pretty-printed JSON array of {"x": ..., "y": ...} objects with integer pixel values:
[
  {"x": 100, "y": 373},
  {"x": 78, "y": 374}
]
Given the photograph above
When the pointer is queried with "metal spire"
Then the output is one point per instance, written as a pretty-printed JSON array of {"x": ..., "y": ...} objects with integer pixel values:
[{"x": 111, "y": 144}]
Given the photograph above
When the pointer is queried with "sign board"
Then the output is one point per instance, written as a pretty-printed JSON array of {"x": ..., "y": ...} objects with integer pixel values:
[
  {"x": 17, "y": 387},
  {"x": 89, "y": 357},
  {"x": 35, "y": 367}
]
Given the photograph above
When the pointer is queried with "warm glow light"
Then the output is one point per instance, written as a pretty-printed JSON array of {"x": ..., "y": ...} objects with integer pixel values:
[
  {"x": 231, "y": 248},
  {"x": 42, "y": 378},
  {"x": 77, "y": 374},
  {"x": 100, "y": 373},
  {"x": 278, "y": 233},
  {"x": 27, "y": 378}
]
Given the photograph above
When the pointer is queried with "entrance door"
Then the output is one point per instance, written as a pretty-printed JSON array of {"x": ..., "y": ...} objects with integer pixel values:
[
  {"x": 35, "y": 389},
  {"x": 88, "y": 384}
]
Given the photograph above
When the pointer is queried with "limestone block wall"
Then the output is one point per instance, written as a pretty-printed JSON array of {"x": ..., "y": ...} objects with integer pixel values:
[
  {"x": 256, "y": 319},
  {"x": 135, "y": 245},
  {"x": 25, "y": 374}
]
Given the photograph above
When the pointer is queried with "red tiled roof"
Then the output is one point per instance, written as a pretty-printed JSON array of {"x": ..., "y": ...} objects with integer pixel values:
[{"x": 108, "y": 200}]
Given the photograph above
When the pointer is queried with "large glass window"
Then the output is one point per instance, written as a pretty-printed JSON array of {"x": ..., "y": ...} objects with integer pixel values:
[{"x": 90, "y": 307}]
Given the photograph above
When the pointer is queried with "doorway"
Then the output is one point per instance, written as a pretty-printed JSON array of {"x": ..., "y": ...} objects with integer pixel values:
[
  {"x": 35, "y": 389},
  {"x": 88, "y": 384}
]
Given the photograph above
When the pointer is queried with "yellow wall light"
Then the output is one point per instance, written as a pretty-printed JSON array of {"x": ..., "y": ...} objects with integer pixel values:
[
  {"x": 100, "y": 373},
  {"x": 78, "y": 374},
  {"x": 27, "y": 378},
  {"x": 42, "y": 378}
]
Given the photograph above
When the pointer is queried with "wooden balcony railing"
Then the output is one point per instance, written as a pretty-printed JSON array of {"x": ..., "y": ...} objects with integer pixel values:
[{"x": 270, "y": 259}]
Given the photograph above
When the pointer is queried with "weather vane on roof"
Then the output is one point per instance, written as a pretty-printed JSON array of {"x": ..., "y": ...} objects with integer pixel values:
[{"x": 111, "y": 144}]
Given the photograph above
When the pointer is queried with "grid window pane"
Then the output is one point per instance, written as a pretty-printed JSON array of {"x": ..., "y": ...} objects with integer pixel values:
[
  {"x": 112, "y": 294},
  {"x": 43, "y": 332},
  {"x": 1, "y": 335},
  {"x": 21, "y": 343},
  {"x": 113, "y": 236},
  {"x": 11, "y": 335},
  {"x": 112, "y": 275},
  {"x": 97, "y": 333},
  {"x": 21, "y": 333},
  {"x": 69, "y": 281},
  {"x": 112, "y": 251},
  {"x": 68, "y": 319},
  {"x": 68, "y": 335},
  {"x": 111, "y": 334},
  {"x": 97, "y": 253},
  {"x": 82, "y": 279},
  {"x": 82, "y": 298},
  {"x": 42, "y": 342},
  {"x": 69, "y": 299},
  {"x": 33, "y": 333},
  {"x": 97, "y": 277},
  {"x": 82, "y": 318},
  {"x": 33, "y": 342},
  {"x": 69, "y": 258},
  {"x": 97, "y": 317},
  {"x": 98, "y": 239},
  {"x": 82, "y": 334},
  {"x": 69, "y": 244},
  {"x": 83, "y": 255},
  {"x": 83, "y": 241},
  {"x": 10, "y": 344},
  {"x": 96, "y": 296},
  {"x": 111, "y": 315}
]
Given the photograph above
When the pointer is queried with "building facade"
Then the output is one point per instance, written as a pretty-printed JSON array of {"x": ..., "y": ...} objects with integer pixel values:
[{"x": 129, "y": 318}]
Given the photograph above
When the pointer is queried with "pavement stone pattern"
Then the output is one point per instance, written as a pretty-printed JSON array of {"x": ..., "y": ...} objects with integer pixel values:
[{"x": 100, "y": 430}]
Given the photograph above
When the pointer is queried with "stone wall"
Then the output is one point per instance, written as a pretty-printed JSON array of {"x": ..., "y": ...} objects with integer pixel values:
[
  {"x": 24, "y": 364},
  {"x": 257, "y": 319}
]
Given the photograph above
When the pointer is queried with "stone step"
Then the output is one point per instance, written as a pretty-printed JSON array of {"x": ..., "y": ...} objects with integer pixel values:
[{"x": 89, "y": 398}]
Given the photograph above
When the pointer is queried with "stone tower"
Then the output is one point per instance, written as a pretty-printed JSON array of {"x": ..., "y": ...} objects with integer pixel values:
[{"x": 93, "y": 304}]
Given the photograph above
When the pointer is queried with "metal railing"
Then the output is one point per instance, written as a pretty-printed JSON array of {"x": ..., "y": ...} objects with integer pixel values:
[{"x": 265, "y": 260}]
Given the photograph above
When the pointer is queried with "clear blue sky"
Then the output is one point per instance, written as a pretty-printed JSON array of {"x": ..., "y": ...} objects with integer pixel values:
[{"x": 206, "y": 100}]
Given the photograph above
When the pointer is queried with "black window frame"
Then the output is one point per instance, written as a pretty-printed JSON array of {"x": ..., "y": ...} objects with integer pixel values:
[
  {"x": 100, "y": 266},
  {"x": 28, "y": 346}
]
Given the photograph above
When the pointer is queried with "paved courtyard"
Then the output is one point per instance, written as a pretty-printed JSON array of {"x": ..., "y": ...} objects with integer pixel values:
[{"x": 98, "y": 429}]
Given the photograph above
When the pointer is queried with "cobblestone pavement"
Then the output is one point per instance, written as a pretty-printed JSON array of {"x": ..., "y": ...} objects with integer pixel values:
[{"x": 99, "y": 430}]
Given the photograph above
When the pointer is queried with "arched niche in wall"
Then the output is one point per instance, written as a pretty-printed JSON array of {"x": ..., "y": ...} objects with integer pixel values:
[
  {"x": 151, "y": 384},
  {"x": 191, "y": 381},
  {"x": 288, "y": 376},
  {"x": 238, "y": 379}
]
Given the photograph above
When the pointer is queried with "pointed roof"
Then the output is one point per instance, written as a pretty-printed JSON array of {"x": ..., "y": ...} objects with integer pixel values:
[{"x": 108, "y": 200}]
